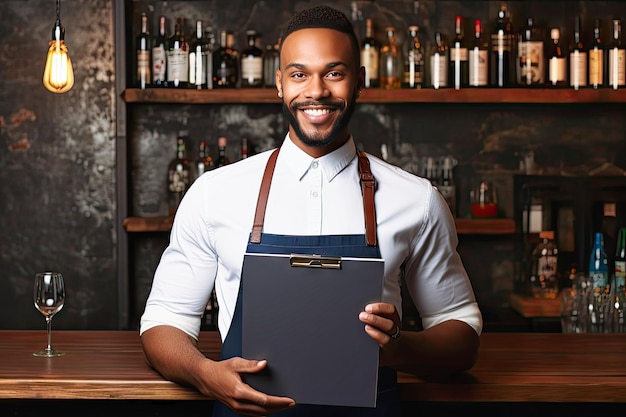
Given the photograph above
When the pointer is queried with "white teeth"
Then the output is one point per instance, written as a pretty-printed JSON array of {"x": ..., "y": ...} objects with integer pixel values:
[{"x": 316, "y": 112}]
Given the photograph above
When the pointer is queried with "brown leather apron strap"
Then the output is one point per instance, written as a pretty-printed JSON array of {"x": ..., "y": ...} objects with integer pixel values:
[
  {"x": 261, "y": 203},
  {"x": 368, "y": 187}
]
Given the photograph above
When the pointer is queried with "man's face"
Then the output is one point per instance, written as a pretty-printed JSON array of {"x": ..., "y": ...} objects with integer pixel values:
[{"x": 319, "y": 81}]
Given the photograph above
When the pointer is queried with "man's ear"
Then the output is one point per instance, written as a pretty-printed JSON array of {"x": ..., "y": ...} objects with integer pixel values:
[{"x": 279, "y": 83}]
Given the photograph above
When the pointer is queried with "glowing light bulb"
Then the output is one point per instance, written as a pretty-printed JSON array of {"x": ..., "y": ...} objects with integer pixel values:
[{"x": 58, "y": 75}]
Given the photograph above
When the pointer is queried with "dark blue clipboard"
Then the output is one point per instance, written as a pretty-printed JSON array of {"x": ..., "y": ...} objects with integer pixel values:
[{"x": 304, "y": 320}]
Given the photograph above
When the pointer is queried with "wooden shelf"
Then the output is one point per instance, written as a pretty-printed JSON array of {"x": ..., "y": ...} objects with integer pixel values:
[
  {"x": 426, "y": 95},
  {"x": 148, "y": 224},
  {"x": 464, "y": 226},
  {"x": 485, "y": 226}
]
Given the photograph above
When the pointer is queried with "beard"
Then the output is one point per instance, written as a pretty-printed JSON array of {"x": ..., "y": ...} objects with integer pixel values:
[{"x": 318, "y": 139}]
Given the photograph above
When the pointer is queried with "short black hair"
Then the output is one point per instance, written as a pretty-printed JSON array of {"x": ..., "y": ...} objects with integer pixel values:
[{"x": 324, "y": 17}]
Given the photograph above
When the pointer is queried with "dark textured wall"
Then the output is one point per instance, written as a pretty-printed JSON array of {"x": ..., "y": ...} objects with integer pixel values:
[
  {"x": 57, "y": 152},
  {"x": 57, "y": 164}
]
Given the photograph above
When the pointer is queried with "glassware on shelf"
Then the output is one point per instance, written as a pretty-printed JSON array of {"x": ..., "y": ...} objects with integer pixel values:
[{"x": 484, "y": 200}]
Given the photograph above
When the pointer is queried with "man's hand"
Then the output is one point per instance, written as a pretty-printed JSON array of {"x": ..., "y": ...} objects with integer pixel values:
[
  {"x": 176, "y": 357},
  {"x": 382, "y": 323},
  {"x": 223, "y": 381}
]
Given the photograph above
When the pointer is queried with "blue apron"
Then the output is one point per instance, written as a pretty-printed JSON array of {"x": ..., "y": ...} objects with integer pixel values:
[{"x": 363, "y": 246}]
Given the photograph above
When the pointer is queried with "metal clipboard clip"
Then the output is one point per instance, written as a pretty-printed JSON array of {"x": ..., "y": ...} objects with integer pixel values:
[{"x": 315, "y": 261}]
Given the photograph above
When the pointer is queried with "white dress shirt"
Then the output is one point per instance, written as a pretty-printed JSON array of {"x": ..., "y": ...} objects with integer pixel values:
[{"x": 308, "y": 196}]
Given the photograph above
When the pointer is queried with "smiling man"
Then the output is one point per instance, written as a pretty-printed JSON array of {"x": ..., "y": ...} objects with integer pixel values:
[{"x": 314, "y": 202}]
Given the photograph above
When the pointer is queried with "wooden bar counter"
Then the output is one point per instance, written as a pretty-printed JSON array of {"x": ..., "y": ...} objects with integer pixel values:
[{"x": 547, "y": 370}]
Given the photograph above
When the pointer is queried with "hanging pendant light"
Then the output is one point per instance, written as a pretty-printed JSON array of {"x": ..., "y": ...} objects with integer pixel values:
[{"x": 58, "y": 76}]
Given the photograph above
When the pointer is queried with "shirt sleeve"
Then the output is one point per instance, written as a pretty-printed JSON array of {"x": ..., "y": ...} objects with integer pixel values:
[
  {"x": 435, "y": 275},
  {"x": 186, "y": 272}
]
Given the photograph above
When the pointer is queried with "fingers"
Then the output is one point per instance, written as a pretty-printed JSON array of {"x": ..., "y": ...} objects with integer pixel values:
[
  {"x": 382, "y": 322},
  {"x": 241, "y": 397}
]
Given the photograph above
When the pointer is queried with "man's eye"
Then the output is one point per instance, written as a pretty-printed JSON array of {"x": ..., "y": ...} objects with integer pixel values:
[{"x": 335, "y": 75}]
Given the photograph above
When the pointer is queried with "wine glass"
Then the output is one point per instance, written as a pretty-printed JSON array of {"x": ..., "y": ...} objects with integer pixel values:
[{"x": 49, "y": 295}]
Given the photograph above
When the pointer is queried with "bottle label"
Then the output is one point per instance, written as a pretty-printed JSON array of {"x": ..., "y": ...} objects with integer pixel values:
[
  {"x": 252, "y": 68},
  {"x": 369, "y": 59},
  {"x": 546, "y": 267},
  {"x": 578, "y": 69},
  {"x": 617, "y": 69},
  {"x": 478, "y": 67},
  {"x": 531, "y": 67},
  {"x": 158, "y": 63},
  {"x": 177, "y": 65},
  {"x": 197, "y": 68},
  {"x": 143, "y": 67},
  {"x": 414, "y": 69},
  {"x": 501, "y": 42},
  {"x": 458, "y": 53},
  {"x": 596, "y": 68},
  {"x": 557, "y": 70},
  {"x": 599, "y": 281},
  {"x": 439, "y": 70}
]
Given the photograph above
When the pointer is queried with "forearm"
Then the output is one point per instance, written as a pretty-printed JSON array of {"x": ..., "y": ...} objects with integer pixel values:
[
  {"x": 444, "y": 349},
  {"x": 173, "y": 354}
]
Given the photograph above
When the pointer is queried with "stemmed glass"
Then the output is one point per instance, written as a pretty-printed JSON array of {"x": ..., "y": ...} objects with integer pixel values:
[{"x": 49, "y": 295}]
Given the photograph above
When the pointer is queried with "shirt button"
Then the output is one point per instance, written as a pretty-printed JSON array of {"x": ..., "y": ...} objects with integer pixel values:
[
  {"x": 314, "y": 194},
  {"x": 314, "y": 165}
]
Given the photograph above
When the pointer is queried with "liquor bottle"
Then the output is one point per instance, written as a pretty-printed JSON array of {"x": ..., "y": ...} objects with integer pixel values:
[
  {"x": 271, "y": 63},
  {"x": 390, "y": 68},
  {"x": 244, "y": 148},
  {"x": 598, "y": 265},
  {"x": 459, "y": 60},
  {"x": 198, "y": 49},
  {"x": 252, "y": 62},
  {"x": 577, "y": 58},
  {"x": 447, "y": 186},
  {"x": 429, "y": 170},
  {"x": 531, "y": 68},
  {"x": 620, "y": 264},
  {"x": 620, "y": 275},
  {"x": 478, "y": 58},
  {"x": 413, "y": 60},
  {"x": 617, "y": 57},
  {"x": 203, "y": 163},
  {"x": 609, "y": 228},
  {"x": 597, "y": 56},
  {"x": 225, "y": 66},
  {"x": 230, "y": 45},
  {"x": 370, "y": 55},
  {"x": 544, "y": 281},
  {"x": 159, "y": 55},
  {"x": 600, "y": 304},
  {"x": 178, "y": 57},
  {"x": 143, "y": 54},
  {"x": 222, "y": 157},
  {"x": 502, "y": 71},
  {"x": 439, "y": 62},
  {"x": 178, "y": 173},
  {"x": 209, "y": 39},
  {"x": 557, "y": 61}
]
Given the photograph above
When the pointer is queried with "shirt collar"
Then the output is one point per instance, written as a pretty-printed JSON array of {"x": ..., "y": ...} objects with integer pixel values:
[{"x": 331, "y": 164}]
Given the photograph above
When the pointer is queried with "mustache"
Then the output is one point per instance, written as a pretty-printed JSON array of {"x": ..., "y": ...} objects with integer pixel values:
[{"x": 333, "y": 105}]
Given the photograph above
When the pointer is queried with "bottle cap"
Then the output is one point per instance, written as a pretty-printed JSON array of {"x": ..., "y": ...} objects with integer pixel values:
[
  {"x": 555, "y": 33},
  {"x": 609, "y": 210},
  {"x": 546, "y": 234}
]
